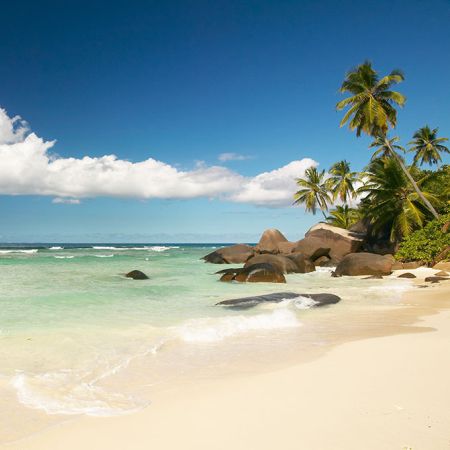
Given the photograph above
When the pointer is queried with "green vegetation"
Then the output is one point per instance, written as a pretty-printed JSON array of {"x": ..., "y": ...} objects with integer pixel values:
[
  {"x": 398, "y": 202},
  {"x": 427, "y": 243},
  {"x": 314, "y": 191}
]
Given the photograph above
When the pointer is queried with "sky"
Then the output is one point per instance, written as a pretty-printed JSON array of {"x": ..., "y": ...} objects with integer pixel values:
[{"x": 188, "y": 121}]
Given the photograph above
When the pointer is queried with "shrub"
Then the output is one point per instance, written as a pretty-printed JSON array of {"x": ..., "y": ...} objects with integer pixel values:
[{"x": 425, "y": 244}]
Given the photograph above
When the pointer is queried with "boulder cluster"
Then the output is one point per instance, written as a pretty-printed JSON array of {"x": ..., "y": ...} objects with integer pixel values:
[{"x": 323, "y": 245}]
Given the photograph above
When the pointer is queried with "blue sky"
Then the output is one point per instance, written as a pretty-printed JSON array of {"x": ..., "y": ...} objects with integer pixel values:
[{"x": 183, "y": 82}]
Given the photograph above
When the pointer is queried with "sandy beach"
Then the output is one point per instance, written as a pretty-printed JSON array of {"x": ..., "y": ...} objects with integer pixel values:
[{"x": 389, "y": 392}]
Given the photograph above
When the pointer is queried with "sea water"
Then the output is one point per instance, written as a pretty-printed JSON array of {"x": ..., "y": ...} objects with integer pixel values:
[{"x": 78, "y": 337}]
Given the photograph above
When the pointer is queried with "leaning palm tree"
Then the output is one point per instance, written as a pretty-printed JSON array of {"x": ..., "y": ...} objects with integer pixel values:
[
  {"x": 342, "y": 180},
  {"x": 427, "y": 146},
  {"x": 314, "y": 191},
  {"x": 389, "y": 200},
  {"x": 372, "y": 110}
]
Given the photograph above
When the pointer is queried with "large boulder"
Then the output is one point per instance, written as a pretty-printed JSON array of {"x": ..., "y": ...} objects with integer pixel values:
[
  {"x": 255, "y": 273},
  {"x": 273, "y": 241},
  {"x": 356, "y": 264},
  {"x": 443, "y": 265},
  {"x": 326, "y": 240},
  {"x": 137, "y": 275},
  {"x": 248, "y": 302},
  {"x": 234, "y": 254},
  {"x": 293, "y": 263}
]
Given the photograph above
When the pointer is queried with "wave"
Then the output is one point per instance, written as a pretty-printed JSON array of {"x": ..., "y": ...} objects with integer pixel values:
[
  {"x": 62, "y": 393},
  {"x": 64, "y": 257},
  {"x": 56, "y": 248},
  {"x": 103, "y": 256},
  {"x": 29, "y": 252},
  {"x": 217, "y": 329},
  {"x": 155, "y": 248}
]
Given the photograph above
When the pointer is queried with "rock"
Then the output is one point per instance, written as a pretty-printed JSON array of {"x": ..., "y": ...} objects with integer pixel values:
[
  {"x": 441, "y": 273},
  {"x": 137, "y": 275},
  {"x": 304, "y": 265},
  {"x": 435, "y": 279},
  {"x": 234, "y": 254},
  {"x": 398, "y": 265},
  {"x": 294, "y": 263},
  {"x": 233, "y": 270},
  {"x": 323, "y": 261},
  {"x": 338, "y": 241},
  {"x": 373, "y": 277},
  {"x": 365, "y": 264},
  {"x": 248, "y": 302},
  {"x": 273, "y": 241},
  {"x": 255, "y": 273},
  {"x": 407, "y": 275},
  {"x": 443, "y": 265},
  {"x": 282, "y": 263}
]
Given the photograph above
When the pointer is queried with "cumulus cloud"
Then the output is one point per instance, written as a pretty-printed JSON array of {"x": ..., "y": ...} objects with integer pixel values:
[
  {"x": 224, "y": 157},
  {"x": 27, "y": 167}
]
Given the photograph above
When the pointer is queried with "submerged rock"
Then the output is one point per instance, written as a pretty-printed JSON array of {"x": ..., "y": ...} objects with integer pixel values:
[
  {"x": 407, "y": 275},
  {"x": 374, "y": 277},
  {"x": 249, "y": 302},
  {"x": 137, "y": 275},
  {"x": 436, "y": 279}
]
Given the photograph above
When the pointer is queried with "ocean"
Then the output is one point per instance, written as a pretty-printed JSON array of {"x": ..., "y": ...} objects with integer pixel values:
[{"x": 78, "y": 337}]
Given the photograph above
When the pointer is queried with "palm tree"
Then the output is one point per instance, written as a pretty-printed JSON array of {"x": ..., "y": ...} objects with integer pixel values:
[
  {"x": 341, "y": 182},
  {"x": 384, "y": 150},
  {"x": 427, "y": 146},
  {"x": 371, "y": 110},
  {"x": 314, "y": 191},
  {"x": 343, "y": 216},
  {"x": 390, "y": 201},
  {"x": 371, "y": 103}
]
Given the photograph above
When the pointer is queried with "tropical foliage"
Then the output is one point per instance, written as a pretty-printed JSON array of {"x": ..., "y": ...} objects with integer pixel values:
[
  {"x": 343, "y": 216},
  {"x": 371, "y": 105},
  {"x": 342, "y": 181},
  {"x": 427, "y": 243},
  {"x": 390, "y": 202},
  {"x": 427, "y": 147},
  {"x": 313, "y": 192}
]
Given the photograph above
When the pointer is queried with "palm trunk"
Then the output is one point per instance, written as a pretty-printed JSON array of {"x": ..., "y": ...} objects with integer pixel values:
[{"x": 411, "y": 179}]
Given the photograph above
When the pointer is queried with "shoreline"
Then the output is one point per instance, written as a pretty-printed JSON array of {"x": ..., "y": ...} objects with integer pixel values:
[{"x": 292, "y": 406}]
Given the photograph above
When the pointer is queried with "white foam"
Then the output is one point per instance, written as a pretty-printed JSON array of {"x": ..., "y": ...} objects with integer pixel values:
[
  {"x": 64, "y": 257},
  {"x": 217, "y": 329},
  {"x": 104, "y": 256},
  {"x": 55, "y": 393},
  {"x": 304, "y": 302},
  {"x": 29, "y": 252},
  {"x": 56, "y": 248},
  {"x": 155, "y": 248}
]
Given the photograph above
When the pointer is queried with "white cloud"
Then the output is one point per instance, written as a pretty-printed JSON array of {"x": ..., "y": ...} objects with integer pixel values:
[
  {"x": 224, "y": 157},
  {"x": 28, "y": 168}
]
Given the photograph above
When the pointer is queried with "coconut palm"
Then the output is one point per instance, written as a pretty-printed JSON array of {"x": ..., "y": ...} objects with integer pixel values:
[
  {"x": 427, "y": 146},
  {"x": 314, "y": 191},
  {"x": 384, "y": 150},
  {"x": 372, "y": 110},
  {"x": 343, "y": 216},
  {"x": 342, "y": 180},
  {"x": 390, "y": 201},
  {"x": 371, "y": 104}
]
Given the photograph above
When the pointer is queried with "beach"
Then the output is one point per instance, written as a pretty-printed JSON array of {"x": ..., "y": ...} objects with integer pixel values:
[{"x": 386, "y": 388}]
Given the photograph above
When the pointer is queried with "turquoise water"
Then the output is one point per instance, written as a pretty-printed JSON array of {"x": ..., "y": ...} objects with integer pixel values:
[{"x": 78, "y": 337}]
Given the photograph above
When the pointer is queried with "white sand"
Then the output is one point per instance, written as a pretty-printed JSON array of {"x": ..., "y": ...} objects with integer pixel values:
[{"x": 383, "y": 393}]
